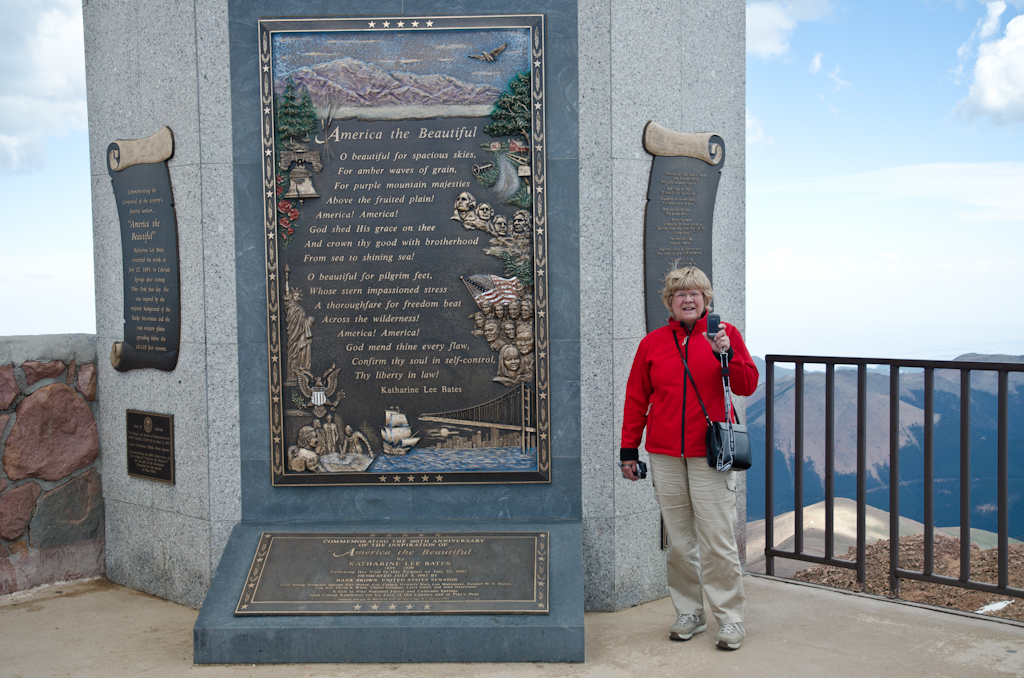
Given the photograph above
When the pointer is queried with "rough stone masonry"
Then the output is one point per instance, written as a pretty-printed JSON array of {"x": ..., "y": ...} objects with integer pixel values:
[{"x": 51, "y": 500}]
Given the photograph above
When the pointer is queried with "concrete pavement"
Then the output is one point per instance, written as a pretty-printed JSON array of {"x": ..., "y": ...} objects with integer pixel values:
[{"x": 99, "y": 629}]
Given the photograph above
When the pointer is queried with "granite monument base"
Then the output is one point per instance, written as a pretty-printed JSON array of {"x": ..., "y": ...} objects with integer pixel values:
[{"x": 220, "y": 637}]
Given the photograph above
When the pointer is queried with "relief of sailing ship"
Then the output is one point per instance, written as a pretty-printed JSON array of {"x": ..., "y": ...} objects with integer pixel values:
[{"x": 397, "y": 434}]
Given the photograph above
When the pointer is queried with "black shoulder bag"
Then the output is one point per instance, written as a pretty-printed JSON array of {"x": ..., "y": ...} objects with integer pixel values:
[{"x": 728, "y": 444}]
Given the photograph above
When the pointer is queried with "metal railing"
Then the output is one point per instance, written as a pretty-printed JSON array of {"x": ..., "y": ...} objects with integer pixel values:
[{"x": 860, "y": 564}]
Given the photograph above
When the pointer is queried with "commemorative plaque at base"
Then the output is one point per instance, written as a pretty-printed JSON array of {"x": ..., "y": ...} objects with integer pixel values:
[
  {"x": 404, "y": 573},
  {"x": 417, "y": 635}
]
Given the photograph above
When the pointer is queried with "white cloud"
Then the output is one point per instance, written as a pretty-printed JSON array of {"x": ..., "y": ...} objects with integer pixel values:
[
  {"x": 755, "y": 134},
  {"x": 828, "y": 97},
  {"x": 838, "y": 83},
  {"x": 768, "y": 29},
  {"x": 991, "y": 22},
  {"x": 998, "y": 88},
  {"x": 815, "y": 63},
  {"x": 42, "y": 79},
  {"x": 771, "y": 24},
  {"x": 985, "y": 191}
]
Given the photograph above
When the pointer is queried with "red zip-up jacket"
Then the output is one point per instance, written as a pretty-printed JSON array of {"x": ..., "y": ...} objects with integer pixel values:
[{"x": 658, "y": 391}]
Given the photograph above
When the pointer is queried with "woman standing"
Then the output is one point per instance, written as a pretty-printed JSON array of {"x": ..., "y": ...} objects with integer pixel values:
[{"x": 698, "y": 503}]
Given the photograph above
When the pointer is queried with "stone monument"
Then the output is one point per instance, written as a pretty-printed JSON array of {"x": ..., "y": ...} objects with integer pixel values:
[{"x": 286, "y": 424}]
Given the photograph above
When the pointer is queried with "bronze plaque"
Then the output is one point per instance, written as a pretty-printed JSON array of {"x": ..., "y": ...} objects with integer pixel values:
[
  {"x": 149, "y": 252},
  {"x": 405, "y": 223},
  {"x": 680, "y": 210},
  {"x": 413, "y": 573},
  {"x": 150, "y": 438}
]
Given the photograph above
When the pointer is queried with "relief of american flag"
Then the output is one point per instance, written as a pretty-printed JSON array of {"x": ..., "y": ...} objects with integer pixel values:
[{"x": 492, "y": 288}]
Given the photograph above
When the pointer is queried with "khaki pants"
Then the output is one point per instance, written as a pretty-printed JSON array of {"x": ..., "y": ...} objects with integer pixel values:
[{"x": 698, "y": 505}]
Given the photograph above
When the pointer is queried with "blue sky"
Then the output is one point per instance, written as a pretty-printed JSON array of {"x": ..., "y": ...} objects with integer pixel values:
[{"x": 885, "y": 176}]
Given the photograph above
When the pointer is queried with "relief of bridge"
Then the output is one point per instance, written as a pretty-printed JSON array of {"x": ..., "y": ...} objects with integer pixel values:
[{"x": 509, "y": 420}]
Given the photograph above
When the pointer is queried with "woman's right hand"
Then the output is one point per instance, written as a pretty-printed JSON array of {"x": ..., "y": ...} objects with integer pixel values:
[{"x": 629, "y": 470}]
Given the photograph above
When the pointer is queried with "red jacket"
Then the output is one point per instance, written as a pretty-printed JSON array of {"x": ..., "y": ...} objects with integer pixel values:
[{"x": 658, "y": 391}]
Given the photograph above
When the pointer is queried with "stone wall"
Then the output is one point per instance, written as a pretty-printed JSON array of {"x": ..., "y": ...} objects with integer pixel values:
[{"x": 51, "y": 502}]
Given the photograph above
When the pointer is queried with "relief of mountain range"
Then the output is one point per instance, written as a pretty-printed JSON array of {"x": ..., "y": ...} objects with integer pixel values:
[
  {"x": 983, "y": 430},
  {"x": 351, "y": 82}
]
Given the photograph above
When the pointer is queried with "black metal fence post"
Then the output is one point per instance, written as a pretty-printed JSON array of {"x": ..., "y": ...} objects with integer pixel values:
[
  {"x": 862, "y": 472},
  {"x": 1003, "y": 466},
  {"x": 830, "y": 460},
  {"x": 769, "y": 460},
  {"x": 894, "y": 480},
  {"x": 798, "y": 460},
  {"x": 929, "y": 470},
  {"x": 965, "y": 474}
]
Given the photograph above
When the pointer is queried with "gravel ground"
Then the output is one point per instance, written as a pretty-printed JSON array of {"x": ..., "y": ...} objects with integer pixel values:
[{"x": 984, "y": 568}]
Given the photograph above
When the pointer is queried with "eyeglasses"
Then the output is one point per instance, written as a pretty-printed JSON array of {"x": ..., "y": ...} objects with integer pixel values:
[{"x": 688, "y": 294}]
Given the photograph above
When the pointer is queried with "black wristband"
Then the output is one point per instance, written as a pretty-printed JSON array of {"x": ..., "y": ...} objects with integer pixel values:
[{"x": 629, "y": 454}]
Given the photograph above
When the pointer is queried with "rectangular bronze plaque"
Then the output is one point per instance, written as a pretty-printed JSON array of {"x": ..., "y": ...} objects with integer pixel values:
[
  {"x": 405, "y": 229},
  {"x": 680, "y": 210},
  {"x": 150, "y": 438},
  {"x": 413, "y": 573},
  {"x": 149, "y": 252}
]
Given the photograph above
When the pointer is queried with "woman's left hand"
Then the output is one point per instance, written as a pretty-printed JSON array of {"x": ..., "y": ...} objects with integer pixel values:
[{"x": 719, "y": 342}]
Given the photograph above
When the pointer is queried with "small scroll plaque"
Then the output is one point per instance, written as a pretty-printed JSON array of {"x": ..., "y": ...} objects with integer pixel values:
[
  {"x": 680, "y": 208},
  {"x": 150, "y": 438},
  {"x": 297, "y": 573},
  {"x": 149, "y": 252}
]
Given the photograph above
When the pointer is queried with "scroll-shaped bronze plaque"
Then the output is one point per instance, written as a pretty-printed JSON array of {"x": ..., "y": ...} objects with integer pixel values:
[
  {"x": 149, "y": 252},
  {"x": 406, "y": 229},
  {"x": 680, "y": 208},
  {"x": 437, "y": 573},
  {"x": 150, "y": 442}
]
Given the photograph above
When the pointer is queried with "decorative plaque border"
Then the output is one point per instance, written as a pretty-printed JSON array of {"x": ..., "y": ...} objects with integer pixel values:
[{"x": 533, "y": 398}]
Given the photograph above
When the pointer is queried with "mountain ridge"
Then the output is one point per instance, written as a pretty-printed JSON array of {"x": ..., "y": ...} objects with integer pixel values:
[
  {"x": 983, "y": 433},
  {"x": 351, "y": 82}
]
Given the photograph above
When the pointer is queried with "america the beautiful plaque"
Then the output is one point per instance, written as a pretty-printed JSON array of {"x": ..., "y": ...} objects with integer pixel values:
[{"x": 406, "y": 249}]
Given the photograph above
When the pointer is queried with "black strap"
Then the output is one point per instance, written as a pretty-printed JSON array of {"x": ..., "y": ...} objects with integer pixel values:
[{"x": 690, "y": 376}]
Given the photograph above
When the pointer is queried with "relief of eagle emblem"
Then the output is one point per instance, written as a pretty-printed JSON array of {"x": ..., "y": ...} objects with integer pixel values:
[
  {"x": 318, "y": 390},
  {"x": 490, "y": 56}
]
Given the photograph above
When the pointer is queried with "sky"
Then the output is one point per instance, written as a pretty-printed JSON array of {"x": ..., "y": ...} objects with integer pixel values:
[{"x": 885, "y": 176}]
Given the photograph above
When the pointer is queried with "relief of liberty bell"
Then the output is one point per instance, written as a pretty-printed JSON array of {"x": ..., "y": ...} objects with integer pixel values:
[{"x": 300, "y": 184}]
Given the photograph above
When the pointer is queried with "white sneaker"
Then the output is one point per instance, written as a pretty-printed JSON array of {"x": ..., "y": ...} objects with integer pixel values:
[
  {"x": 686, "y": 626},
  {"x": 731, "y": 636}
]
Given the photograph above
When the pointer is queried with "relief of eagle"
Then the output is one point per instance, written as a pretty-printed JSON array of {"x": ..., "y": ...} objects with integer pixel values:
[
  {"x": 490, "y": 56},
  {"x": 318, "y": 393}
]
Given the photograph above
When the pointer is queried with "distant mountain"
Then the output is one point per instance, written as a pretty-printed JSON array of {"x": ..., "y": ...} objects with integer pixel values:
[
  {"x": 911, "y": 433},
  {"x": 351, "y": 82}
]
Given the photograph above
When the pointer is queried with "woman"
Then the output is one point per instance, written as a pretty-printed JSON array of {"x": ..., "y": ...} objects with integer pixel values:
[
  {"x": 509, "y": 362},
  {"x": 698, "y": 503}
]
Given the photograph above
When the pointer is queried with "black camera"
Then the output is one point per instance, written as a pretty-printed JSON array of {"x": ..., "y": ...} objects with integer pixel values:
[
  {"x": 713, "y": 324},
  {"x": 641, "y": 470}
]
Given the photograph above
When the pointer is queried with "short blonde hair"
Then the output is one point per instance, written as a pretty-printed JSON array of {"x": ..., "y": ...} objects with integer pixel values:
[{"x": 686, "y": 278}]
